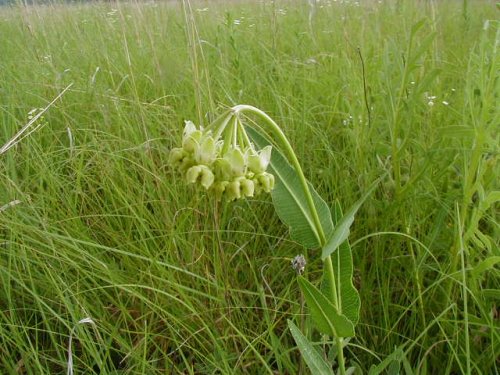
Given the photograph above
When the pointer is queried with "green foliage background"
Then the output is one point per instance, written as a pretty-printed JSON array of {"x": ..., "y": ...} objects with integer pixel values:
[{"x": 178, "y": 284}]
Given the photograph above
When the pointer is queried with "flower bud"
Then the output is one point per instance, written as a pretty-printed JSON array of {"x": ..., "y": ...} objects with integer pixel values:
[
  {"x": 267, "y": 180},
  {"x": 186, "y": 163},
  {"x": 191, "y": 142},
  {"x": 236, "y": 161},
  {"x": 179, "y": 158},
  {"x": 176, "y": 156},
  {"x": 206, "y": 153},
  {"x": 200, "y": 173},
  {"x": 189, "y": 128},
  {"x": 247, "y": 187},
  {"x": 258, "y": 162},
  {"x": 219, "y": 188},
  {"x": 264, "y": 182},
  {"x": 233, "y": 190},
  {"x": 191, "y": 137},
  {"x": 222, "y": 169}
]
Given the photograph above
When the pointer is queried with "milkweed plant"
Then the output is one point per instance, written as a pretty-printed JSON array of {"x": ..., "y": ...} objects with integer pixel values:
[{"x": 234, "y": 159}]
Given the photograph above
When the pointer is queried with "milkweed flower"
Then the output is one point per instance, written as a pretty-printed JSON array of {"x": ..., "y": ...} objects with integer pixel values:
[
  {"x": 223, "y": 161},
  {"x": 258, "y": 162}
]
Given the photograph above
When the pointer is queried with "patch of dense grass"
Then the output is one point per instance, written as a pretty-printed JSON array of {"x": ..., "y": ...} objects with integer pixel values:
[{"x": 179, "y": 284}]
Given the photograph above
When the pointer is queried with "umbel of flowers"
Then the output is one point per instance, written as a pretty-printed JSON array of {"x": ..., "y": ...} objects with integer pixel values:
[{"x": 223, "y": 160}]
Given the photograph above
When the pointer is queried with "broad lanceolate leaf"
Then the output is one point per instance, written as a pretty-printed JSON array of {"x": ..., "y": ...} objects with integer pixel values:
[
  {"x": 290, "y": 200},
  {"x": 313, "y": 359},
  {"x": 326, "y": 317},
  {"x": 347, "y": 295},
  {"x": 342, "y": 229}
]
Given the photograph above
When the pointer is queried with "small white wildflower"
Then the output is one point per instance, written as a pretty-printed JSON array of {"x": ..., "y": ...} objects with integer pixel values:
[
  {"x": 430, "y": 99},
  {"x": 445, "y": 102}
]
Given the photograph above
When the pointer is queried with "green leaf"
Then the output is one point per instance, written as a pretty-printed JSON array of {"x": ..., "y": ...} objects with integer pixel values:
[
  {"x": 485, "y": 265},
  {"x": 493, "y": 294},
  {"x": 427, "y": 81},
  {"x": 490, "y": 199},
  {"x": 423, "y": 46},
  {"x": 313, "y": 359},
  {"x": 324, "y": 314},
  {"x": 347, "y": 295},
  {"x": 417, "y": 26},
  {"x": 342, "y": 229},
  {"x": 290, "y": 200},
  {"x": 391, "y": 363}
]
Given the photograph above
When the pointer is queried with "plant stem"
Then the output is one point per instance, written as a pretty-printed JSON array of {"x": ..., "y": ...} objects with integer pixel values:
[
  {"x": 329, "y": 266},
  {"x": 395, "y": 131},
  {"x": 340, "y": 354},
  {"x": 282, "y": 141},
  {"x": 464, "y": 291}
]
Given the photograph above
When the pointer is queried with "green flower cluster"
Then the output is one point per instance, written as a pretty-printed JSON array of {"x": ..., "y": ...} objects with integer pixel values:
[{"x": 223, "y": 167}]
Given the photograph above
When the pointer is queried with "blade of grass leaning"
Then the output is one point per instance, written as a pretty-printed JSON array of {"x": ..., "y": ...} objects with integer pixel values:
[
  {"x": 290, "y": 201},
  {"x": 324, "y": 314},
  {"x": 313, "y": 359},
  {"x": 27, "y": 129},
  {"x": 392, "y": 360}
]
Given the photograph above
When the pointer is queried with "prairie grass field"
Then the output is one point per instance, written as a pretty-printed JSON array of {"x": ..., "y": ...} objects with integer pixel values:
[{"x": 95, "y": 224}]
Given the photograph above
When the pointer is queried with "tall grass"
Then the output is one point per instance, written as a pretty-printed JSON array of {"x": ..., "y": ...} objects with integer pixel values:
[{"x": 100, "y": 227}]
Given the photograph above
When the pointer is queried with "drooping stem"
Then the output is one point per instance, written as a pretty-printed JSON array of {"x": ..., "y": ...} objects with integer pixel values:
[{"x": 281, "y": 140}]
